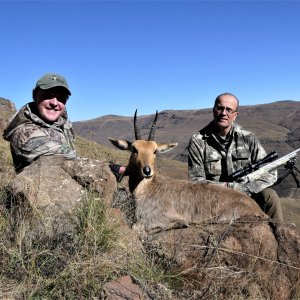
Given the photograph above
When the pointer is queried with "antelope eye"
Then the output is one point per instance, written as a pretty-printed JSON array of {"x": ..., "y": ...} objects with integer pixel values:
[{"x": 155, "y": 152}]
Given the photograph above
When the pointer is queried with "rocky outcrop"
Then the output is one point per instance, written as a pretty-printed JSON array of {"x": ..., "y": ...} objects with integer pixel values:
[
  {"x": 241, "y": 259},
  {"x": 52, "y": 188},
  {"x": 7, "y": 109}
]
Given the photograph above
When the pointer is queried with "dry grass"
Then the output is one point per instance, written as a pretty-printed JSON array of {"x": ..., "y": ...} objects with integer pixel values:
[
  {"x": 73, "y": 266},
  {"x": 58, "y": 267},
  {"x": 291, "y": 211},
  {"x": 100, "y": 250},
  {"x": 90, "y": 149}
]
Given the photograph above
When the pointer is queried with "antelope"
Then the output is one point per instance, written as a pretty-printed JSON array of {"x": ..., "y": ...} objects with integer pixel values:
[{"x": 164, "y": 203}]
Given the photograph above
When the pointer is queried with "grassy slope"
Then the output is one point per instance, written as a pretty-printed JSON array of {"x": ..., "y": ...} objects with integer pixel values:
[
  {"x": 172, "y": 168},
  {"x": 98, "y": 258}
]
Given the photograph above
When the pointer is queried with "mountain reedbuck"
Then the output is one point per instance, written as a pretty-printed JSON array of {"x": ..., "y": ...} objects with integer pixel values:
[{"x": 164, "y": 203}]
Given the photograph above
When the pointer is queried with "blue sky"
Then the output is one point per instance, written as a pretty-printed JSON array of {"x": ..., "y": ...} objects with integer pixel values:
[{"x": 121, "y": 55}]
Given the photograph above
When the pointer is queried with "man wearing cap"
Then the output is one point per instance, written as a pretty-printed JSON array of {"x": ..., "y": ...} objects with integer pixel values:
[{"x": 42, "y": 127}]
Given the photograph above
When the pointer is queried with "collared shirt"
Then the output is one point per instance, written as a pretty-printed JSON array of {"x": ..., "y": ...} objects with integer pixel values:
[
  {"x": 31, "y": 137},
  {"x": 213, "y": 158}
]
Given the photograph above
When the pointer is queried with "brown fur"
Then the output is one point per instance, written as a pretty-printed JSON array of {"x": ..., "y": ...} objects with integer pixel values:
[{"x": 164, "y": 203}]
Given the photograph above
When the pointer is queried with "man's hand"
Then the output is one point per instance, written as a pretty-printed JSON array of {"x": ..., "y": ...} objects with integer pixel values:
[
  {"x": 239, "y": 187},
  {"x": 118, "y": 170}
]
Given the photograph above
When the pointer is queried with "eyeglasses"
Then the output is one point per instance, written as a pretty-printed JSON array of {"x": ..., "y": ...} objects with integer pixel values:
[
  {"x": 228, "y": 110},
  {"x": 61, "y": 97}
]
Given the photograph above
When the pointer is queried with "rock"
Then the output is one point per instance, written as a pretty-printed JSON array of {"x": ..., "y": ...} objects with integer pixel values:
[
  {"x": 94, "y": 175},
  {"x": 51, "y": 189},
  {"x": 123, "y": 289},
  {"x": 7, "y": 109}
]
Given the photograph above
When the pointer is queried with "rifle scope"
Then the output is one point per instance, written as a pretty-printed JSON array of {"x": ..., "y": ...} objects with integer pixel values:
[{"x": 253, "y": 167}]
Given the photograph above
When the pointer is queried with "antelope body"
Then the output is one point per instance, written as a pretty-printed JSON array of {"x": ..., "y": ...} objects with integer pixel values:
[{"x": 164, "y": 203}]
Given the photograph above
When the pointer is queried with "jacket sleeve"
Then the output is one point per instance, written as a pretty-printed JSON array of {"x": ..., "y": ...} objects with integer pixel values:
[
  {"x": 29, "y": 142},
  {"x": 196, "y": 170}
]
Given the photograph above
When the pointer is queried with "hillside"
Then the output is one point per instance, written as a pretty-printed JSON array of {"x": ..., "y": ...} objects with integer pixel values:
[
  {"x": 276, "y": 125},
  {"x": 92, "y": 253}
]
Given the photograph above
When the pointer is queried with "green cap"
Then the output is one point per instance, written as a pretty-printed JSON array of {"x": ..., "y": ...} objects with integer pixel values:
[{"x": 52, "y": 80}]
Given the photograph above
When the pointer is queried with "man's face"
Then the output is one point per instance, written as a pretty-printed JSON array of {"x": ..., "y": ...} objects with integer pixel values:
[
  {"x": 51, "y": 103},
  {"x": 225, "y": 112}
]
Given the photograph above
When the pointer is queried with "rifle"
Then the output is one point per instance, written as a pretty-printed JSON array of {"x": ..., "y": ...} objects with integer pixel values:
[{"x": 268, "y": 164}]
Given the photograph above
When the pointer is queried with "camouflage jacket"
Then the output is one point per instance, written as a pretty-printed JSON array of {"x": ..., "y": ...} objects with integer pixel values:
[
  {"x": 30, "y": 137},
  {"x": 210, "y": 159}
]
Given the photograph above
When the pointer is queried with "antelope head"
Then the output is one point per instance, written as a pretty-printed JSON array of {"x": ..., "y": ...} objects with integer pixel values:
[{"x": 143, "y": 152}]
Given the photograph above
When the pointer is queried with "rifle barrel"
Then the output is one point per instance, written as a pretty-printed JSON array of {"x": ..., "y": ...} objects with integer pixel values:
[{"x": 271, "y": 166}]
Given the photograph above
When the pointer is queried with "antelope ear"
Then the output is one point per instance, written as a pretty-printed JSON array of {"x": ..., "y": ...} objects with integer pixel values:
[
  {"x": 162, "y": 148},
  {"x": 121, "y": 144}
]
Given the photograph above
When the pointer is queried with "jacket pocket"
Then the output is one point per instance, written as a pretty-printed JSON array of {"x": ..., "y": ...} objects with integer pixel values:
[
  {"x": 213, "y": 165},
  {"x": 241, "y": 158}
]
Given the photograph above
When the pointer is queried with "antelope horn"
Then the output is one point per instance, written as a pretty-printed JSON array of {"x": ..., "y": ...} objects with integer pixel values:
[
  {"x": 152, "y": 130},
  {"x": 136, "y": 129}
]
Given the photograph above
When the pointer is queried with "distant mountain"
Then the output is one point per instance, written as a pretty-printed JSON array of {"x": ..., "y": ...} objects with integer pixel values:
[{"x": 276, "y": 124}]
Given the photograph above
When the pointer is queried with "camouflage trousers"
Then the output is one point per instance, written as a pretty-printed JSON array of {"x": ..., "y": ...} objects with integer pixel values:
[{"x": 269, "y": 202}]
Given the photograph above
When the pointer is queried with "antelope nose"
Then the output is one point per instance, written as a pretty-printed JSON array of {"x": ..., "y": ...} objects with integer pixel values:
[{"x": 147, "y": 171}]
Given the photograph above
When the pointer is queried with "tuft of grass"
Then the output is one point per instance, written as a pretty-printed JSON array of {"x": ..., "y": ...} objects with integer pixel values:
[
  {"x": 150, "y": 270},
  {"x": 94, "y": 231},
  {"x": 5, "y": 156},
  {"x": 153, "y": 275},
  {"x": 69, "y": 267}
]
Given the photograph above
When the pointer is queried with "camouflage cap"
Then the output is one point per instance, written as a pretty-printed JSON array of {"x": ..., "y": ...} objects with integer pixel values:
[{"x": 52, "y": 80}]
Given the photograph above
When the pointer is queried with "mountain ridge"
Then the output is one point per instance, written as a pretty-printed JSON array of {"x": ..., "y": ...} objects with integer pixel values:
[{"x": 276, "y": 125}]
